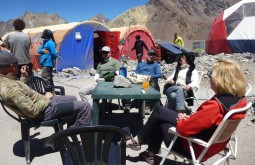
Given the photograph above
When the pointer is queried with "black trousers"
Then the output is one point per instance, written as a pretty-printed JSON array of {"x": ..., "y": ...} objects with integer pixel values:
[{"x": 156, "y": 130}]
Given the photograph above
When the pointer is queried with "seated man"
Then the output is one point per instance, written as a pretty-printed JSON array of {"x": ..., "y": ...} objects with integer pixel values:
[
  {"x": 183, "y": 79},
  {"x": 106, "y": 69},
  {"x": 148, "y": 68},
  {"x": 34, "y": 105}
]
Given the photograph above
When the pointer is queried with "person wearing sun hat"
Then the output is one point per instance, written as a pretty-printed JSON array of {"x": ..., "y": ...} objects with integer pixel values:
[{"x": 106, "y": 70}]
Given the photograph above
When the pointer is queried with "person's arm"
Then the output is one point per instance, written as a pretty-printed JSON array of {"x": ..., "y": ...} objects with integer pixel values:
[
  {"x": 134, "y": 46},
  {"x": 207, "y": 116},
  {"x": 24, "y": 102},
  {"x": 194, "y": 79},
  {"x": 158, "y": 72},
  {"x": 52, "y": 49},
  {"x": 117, "y": 67},
  {"x": 181, "y": 41},
  {"x": 40, "y": 49},
  {"x": 24, "y": 74},
  {"x": 170, "y": 80},
  {"x": 145, "y": 46},
  {"x": 6, "y": 44}
]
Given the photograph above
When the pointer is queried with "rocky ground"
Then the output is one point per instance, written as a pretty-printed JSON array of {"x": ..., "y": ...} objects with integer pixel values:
[{"x": 73, "y": 79}]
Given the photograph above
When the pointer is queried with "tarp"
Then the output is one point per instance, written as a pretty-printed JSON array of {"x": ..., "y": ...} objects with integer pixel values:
[
  {"x": 169, "y": 47},
  {"x": 233, "y": 30},
  {"x": 127, "y": 39}
]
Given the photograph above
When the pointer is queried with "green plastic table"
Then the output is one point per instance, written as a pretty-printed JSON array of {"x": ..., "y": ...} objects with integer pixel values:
[{"x": 106, "y": 90}]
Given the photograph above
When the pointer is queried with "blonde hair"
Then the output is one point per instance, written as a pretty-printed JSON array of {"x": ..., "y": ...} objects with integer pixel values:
[{"x": 229, "y": 78}]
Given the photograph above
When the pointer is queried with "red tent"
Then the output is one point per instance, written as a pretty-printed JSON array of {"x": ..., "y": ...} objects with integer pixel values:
[{"x": 127, "y": 39}]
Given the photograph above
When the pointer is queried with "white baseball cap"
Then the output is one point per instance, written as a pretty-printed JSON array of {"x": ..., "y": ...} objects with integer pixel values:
[{"x": 106, "y": 49}]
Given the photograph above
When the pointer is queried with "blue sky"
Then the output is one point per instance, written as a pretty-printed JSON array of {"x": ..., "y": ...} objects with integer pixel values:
[{"x": 71, "y": 10}]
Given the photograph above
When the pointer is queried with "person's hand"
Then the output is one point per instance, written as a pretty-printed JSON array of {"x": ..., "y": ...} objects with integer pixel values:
[
  {"x": 149, "y": 78},
  {"x": 171, "y": 82},
  {"x": 24, "y": 70},
  {"x": 45, "y": 51},
  {"x": 186, "y": 87},
  {"x": 48, "y": 95},
  {"x": 182, "y": 116}
]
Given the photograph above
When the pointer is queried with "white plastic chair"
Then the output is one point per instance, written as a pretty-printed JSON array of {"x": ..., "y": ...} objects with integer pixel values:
[
  {"x": 223, "y": 132},
  {"x": 194, "y": 90}
]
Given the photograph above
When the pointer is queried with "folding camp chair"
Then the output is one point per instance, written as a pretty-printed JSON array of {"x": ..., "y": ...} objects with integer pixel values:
[{"x": 223, "y": 132}]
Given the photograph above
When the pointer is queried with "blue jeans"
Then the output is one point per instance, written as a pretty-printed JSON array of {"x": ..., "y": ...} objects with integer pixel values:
[{"x": 176, "y": 98}]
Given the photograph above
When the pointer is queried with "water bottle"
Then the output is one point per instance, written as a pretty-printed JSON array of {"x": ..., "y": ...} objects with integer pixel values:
[{"x": 123, "y": 71}]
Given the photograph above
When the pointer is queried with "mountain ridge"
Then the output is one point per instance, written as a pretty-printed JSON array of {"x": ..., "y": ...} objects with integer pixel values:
[{"x": 190, "y": 19}]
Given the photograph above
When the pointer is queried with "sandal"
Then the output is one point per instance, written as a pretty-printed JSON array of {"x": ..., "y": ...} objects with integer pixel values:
[
  {"x": 135, "y": 145},
  {"x": 144, "y": 156}
]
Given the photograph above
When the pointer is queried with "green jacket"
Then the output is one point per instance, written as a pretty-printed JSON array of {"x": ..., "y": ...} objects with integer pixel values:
[
  {"x": 18, "y": 95},
  {"x": 107, "y": 69}
]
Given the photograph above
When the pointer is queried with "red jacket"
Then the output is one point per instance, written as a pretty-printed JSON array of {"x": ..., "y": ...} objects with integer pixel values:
[{"x": 204, "y": 122}]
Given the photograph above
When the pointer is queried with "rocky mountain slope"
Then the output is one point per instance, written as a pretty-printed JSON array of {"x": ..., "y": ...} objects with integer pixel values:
[
  {"x": 32, "y": 20},
  {"x": 190, "y": 18}
]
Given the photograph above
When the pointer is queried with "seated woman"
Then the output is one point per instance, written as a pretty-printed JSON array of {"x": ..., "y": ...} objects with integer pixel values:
[
  {"x": 181, "y": 81},
  {"x": 229, "y": 84}
]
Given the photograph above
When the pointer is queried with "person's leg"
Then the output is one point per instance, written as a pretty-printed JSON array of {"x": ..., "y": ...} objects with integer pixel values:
[
  {"x": 151, "y": 132},
  {"x": 47, "y": 74},
  {"x": 85, "y": 93},
  {"x": 171, "y": 104},
  {"x": 176, "y": 98},
  {"x": 171, "y": 96},
  {"x": 139, "y": 57},
  {"x": 159, "y": 115},
  {"x": 167, "y": 137},
  {"x": 180, "y": 99},
  {"x": 126, "y": 104},
  {"x": 77, "y": 112}
]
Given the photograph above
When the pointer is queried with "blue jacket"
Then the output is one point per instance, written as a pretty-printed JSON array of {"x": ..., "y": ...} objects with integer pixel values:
[
  {"x": 48, "y": 59},
  {"x": 152, "y": 69}
]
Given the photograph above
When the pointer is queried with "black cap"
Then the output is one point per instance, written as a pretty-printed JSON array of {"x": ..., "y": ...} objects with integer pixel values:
[
  {"x": 151, "y": 53},
  {"x": 7, "y": 58}
]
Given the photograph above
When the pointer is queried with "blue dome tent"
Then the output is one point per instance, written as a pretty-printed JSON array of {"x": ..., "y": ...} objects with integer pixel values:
[{"x": 78, "y": 44}]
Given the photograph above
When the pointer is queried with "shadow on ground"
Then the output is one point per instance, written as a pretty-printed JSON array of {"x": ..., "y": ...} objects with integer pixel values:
[
  {"x": 119, "y": 119},
  {"x": 37, "y": 148}
]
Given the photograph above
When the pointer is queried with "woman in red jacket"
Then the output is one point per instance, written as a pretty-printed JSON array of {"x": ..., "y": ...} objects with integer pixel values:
[{"x": 229, "y": 84}]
